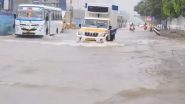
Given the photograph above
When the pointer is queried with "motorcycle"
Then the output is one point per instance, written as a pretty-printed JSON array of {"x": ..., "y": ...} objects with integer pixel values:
[
  {"x": 145, "y": 27},
  {"x": 132, "y": 28}
]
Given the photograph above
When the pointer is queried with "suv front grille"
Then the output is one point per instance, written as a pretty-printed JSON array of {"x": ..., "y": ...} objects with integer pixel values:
[{"x": 91, "y": 34}]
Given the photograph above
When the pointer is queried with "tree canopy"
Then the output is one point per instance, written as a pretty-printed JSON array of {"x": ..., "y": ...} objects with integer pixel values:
[
  {"x": 161, "y": 8},
  {"x": 149, "y": 8}
]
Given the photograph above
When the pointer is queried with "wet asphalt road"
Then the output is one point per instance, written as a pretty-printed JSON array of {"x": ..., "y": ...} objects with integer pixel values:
[{"x": 138, "y": 68}]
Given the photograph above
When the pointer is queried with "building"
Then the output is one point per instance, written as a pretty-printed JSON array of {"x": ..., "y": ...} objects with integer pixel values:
[
  {"x": 54, "y": 3},
  {"x": 80, "y": 4},
  {"x": 77, "y": 9},
  {"x": 1, "y": 4},
  {"x": 17, "y": 2},
  {"x": 6, "y": 5},
  {"x": 6, "y": 17},
  {"x": 63, "y": 4},
  {"x": 76, "y": 4}
]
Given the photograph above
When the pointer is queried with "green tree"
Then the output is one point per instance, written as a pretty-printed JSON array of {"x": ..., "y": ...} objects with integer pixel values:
[
  {"x": 168, "y": 8},
  {"x": 149, "y": 8},
  {"x": 140, "y": 8},
  {"x": 178, "y": 6},
  {"x": 173, "y": 8},
  {"x": 161, "y": 8}
]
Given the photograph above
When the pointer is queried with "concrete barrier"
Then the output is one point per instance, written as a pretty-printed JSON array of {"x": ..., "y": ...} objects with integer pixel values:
[
  {"x": 157, "y": 30},
  {"x": 6, "y": 23}
]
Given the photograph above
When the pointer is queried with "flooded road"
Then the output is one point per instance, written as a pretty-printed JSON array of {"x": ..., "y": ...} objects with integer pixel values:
[{"x": 138, "y": 68}]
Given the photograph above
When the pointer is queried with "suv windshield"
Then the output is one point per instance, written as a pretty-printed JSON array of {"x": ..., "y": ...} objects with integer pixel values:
[
  {"x": 30, "y": 12},
  {"x": 96, "y": 23}
]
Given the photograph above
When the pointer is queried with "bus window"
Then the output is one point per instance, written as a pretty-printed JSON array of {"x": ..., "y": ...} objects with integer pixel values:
[
  {"x": 58, "y": 16},
  {"x": 53, "y": 15},
  {"x": 32, "y": 12}
]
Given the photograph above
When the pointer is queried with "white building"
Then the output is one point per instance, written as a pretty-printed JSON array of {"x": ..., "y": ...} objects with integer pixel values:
[
  {"x": 101, "y": 1},
  {"x": 54, "y": 3},
  {"x": 80, "y": 4},
  {"x": 78, "y": 7},
  {"x": 76, "y": 4}
]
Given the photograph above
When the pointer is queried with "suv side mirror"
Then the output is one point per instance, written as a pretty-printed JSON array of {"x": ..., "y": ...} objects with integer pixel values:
[
  {"x": 110, "y": 27},
  {"x": 80, "y": 25},
  {"x": 15, "y": 16}
]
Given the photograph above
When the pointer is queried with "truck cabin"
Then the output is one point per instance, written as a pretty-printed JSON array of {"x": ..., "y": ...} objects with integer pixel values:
[{"x": 96, "y": 23}]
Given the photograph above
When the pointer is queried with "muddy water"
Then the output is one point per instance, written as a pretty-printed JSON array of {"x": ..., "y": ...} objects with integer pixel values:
[
  {"x": 169, "y": 74},
  {"x": 138, "y": 68}
]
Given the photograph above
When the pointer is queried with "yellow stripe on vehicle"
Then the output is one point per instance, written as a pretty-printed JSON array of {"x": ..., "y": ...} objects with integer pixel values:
[{"x": 93, "y": 30}]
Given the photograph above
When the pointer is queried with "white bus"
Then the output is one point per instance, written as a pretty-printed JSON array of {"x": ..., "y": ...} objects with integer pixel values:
[{"x": 38, "y": 20}]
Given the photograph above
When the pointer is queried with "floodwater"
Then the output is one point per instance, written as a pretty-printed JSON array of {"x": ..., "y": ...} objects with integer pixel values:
[{"x": 138, "y": 68}]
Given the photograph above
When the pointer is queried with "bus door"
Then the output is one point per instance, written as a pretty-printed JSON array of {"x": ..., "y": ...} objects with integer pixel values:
[{"x": 48, "y": 22}]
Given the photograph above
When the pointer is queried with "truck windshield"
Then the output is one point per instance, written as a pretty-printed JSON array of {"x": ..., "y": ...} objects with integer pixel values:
[
  {"x": 96, "y": 23},
  {"x": 30, "y": 12}
]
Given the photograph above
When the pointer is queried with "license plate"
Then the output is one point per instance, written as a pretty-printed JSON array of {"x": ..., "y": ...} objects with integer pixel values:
[
  {"x": 28, "y": 33},
  {"x": 90, "y": 39}
]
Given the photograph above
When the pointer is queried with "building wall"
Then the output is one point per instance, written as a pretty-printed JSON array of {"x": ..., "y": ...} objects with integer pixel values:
[
  {"x": 6, "y": 23},
  {"x": 62, "y": 4},
  {"x": 101, "y": 1},
  {"x": 177, "y": 23},
  {"x": 54, "y": 3},
  {"x": 17, "y": 2},
  {"x": 77, "y": 4},
  {"x": 80, "y": 4},
  {"x": 1, "y": 4},
  {"x": 78, "y": 16},
  {"x": 6, "y": 5}
]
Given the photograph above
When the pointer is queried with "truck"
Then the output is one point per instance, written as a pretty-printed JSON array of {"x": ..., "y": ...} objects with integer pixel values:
[{"x": 100, "y": 23}]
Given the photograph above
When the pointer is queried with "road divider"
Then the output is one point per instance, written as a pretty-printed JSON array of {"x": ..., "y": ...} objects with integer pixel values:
[{"x": 157, "y": 30}]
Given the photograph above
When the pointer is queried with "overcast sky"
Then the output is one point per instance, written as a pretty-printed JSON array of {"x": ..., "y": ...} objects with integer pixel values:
[{"x": 126, "y": 5}]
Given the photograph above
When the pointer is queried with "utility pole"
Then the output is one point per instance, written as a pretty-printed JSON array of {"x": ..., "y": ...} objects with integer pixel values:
[
  {"x": 161, "y": 15},
  {"x": 71, "y": 12},
  {"x": 145, "y": 10}
]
